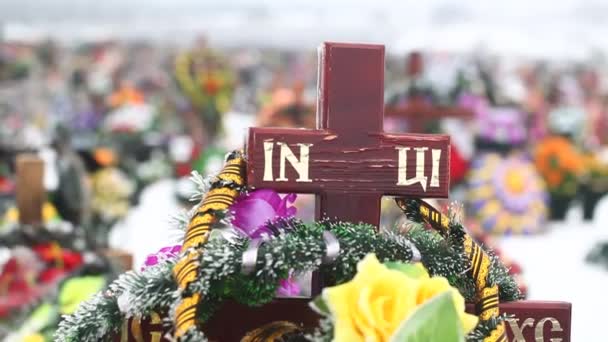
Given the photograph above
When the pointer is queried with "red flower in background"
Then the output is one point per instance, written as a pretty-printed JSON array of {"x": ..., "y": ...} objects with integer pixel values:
[
  {"x": 60, "y": 261},
  {"x": 458, "y": 166}
]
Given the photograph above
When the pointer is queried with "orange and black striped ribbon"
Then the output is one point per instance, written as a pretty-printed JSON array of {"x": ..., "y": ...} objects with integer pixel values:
[
  {"x": 224, "y": 191},
  {"x": 487, "y": 296}
]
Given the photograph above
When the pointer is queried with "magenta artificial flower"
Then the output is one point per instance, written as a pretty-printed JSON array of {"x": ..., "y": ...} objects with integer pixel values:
[
  {"x": 164, "y": 253},
  {"x": 253, "y": 211},
  {"x": 251, "y": 214},
  {"x": 288, "y": 287}
]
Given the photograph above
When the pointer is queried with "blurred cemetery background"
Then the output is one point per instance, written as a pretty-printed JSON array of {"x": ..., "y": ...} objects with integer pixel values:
[{"x": 120, "y": 101}]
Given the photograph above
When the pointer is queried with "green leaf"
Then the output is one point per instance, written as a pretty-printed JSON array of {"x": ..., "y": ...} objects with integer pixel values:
[
  {"x": 435, "y": 320},
  {"x": 319, "y": 306},
  {"x": 409, "y": 270}
]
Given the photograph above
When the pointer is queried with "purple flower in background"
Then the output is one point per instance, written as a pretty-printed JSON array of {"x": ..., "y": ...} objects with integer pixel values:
[
  {"x": 164, "y": 253},
  {"x": 253, "y": 211},
  {"x": 475, "y": 103},
  {"x": 87, "y": 120}
]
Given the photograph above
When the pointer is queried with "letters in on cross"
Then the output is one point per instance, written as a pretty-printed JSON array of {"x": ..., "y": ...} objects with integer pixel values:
[{"x": 301, "y": 164}]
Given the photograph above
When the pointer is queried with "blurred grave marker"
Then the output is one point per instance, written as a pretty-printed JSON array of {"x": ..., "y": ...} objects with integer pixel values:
[
  {"x": 418, "y": 111},
  {"x": 30, "y": 189}
]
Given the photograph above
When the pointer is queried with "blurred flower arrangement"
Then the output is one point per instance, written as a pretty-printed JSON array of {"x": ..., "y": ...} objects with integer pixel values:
[
  {"x": 507, "y": 195},
  {"x": 596, "y": 171},
  {"x": 561, "y": 165},
  {"x": 111, "y": 192},
  {"x": 15, "y": 62},
  {"x": 207, "y": 81},
  {"x": 594, "y": 183}
]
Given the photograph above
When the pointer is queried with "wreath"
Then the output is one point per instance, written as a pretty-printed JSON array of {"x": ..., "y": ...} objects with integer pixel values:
[{"x": 214, "y": 266}]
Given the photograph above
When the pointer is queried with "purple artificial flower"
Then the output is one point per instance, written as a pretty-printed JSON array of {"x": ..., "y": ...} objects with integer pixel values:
[
  {"x": 164, "y": 253},
  {"x": 288, "y": 287},
  {"x": 252, "y": 212}
]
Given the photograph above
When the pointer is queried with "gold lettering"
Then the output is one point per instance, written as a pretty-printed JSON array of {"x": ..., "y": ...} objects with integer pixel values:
[
  {"x": 436, "y": 157},
  {"x": 301, "y": 166},
  {"x": 402, "y": 167},
  {"x": 518, "y": 333},
  {"x": 268, "y": 147},
  {"x": 555, "y": 327}
]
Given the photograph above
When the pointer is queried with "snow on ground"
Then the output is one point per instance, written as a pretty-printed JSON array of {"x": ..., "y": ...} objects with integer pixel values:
[{"x": 555, "y": 269}]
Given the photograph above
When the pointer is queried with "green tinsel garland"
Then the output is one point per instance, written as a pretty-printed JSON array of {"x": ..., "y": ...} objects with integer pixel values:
[{"x": 300, "y": 249}]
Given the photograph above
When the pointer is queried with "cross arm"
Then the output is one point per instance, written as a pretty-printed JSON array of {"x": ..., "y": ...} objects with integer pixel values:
[
  {"x": 315, "y": 161},
  {"x": 421, "y": 110}
]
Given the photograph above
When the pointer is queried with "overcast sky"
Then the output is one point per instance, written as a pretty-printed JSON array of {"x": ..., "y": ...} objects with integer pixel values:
[{"x": 541, "y": 27}]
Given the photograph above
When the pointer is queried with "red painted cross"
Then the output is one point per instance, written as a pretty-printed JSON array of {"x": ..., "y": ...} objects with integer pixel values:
[
  {"x": 349, "y": 161},
  {"x": 419, "y": 113}
]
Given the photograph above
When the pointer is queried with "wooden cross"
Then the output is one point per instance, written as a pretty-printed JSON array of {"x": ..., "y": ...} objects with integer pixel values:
[
  {"x": 349, "y": 161},
  {"x": 419, "y": 113}
]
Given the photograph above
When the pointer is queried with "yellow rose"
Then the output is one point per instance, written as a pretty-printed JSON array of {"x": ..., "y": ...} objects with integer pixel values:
[{"x": 375, "y": 303}]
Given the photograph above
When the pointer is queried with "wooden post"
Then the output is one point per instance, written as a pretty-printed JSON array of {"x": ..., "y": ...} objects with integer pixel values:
[{"x": 30, "y": 189}]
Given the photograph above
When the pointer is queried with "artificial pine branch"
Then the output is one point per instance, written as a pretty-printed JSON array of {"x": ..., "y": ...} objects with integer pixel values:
[
  {"x": 499, "y": 275},
  {"x": 485, "y": 328},
  {"x": 94, "y": 320}
]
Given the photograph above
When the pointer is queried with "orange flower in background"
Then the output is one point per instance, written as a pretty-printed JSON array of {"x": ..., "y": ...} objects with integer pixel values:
[
  {"x": 127, "y": 94},
  {"x": 104, "y": 156},
  {"x": 556, "y": 158},
  {"x": 553, "y": 178},
  {"x": 212, "y": 84}
]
